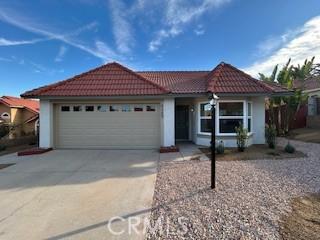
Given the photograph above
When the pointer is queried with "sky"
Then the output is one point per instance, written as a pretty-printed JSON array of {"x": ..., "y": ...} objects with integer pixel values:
[{"x": 44, "y": 41}]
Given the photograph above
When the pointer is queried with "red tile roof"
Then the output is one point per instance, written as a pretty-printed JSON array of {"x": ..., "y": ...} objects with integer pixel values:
[
  {"x": 32, "y": 105},
  {"x": 225, "y": 78},
  {"x": 111, "y": 79},
  {"x": 179, "y": 81},
  {"x": 309, "y": 84},
  {"x": 114, "y": 79},
  {"x": 32, "y": 118}
]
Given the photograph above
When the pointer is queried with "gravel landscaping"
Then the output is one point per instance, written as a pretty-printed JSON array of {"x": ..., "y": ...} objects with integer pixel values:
[
  {"x": 250, "y": 201},
  {"x": 253, "y": 152}
]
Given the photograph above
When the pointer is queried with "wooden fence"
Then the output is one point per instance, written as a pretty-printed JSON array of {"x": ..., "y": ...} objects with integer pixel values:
[{"x": 300, "y": 119}]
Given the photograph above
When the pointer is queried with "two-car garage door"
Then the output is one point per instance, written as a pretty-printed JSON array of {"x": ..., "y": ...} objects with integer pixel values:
[{"x": 114, "y": 126}]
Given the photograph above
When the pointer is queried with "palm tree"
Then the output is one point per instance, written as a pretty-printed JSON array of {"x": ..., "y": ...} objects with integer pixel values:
[{"x": 286, "y": 77}]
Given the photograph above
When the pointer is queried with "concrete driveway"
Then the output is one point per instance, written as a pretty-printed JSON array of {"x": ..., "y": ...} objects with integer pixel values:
[{"x": 76, "y": 194}]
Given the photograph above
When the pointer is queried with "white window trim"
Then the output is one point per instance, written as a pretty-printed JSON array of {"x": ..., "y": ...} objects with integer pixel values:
[
  {"x": 250, "y": 117},
  {"x": 243, "y": 117},
  {"x": 5, "y": 117},
  {"x": 217, "y": 118},
  {"x": 205, "y": 117}
]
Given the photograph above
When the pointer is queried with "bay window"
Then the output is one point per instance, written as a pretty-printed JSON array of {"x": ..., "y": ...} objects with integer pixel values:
[{"x": 229, "y": 115}]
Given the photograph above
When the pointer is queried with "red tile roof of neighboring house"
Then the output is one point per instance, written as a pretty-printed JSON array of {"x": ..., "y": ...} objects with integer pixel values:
[
  {"x": 308, "y": 84},
  {"x": 32, "y": 105},
  {"x": 114, "y": 79},
  {"x": 32, "y": 118}
]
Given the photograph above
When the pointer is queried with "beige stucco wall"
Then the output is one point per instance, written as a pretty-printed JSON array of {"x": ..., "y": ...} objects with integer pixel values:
[
  {"x": 30, "y": 126},
  {"x": 18, "y": 116}
]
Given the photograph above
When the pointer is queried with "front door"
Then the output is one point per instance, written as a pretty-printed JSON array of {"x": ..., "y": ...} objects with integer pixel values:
[{"x": 182, "y": 122}]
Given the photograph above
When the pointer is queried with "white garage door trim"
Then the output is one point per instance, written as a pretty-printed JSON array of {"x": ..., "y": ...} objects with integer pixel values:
[{"x": 107, "y": 125}]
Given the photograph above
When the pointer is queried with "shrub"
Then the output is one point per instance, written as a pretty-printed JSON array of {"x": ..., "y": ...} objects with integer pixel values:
[
  {"x": 4, "y": 130},
  {"x": 242, "y": 136},
  {"x": 2, "y": 147},
  {"x": 270, "y": 135},
  {"x": 289, "y": 148},
  {"x": 220, "y": 148}
]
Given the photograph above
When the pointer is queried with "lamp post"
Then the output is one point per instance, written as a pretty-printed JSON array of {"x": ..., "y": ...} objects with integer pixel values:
[{"x": 213, "y": 102}]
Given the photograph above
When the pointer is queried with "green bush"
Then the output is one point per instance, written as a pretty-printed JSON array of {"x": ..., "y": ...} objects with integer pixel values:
[
  {"x": 220, "y": 148},
  {"x": 289, "y": 148},
  {"x": 242, "y": 136},
  {"x": 270, "y": 135}
]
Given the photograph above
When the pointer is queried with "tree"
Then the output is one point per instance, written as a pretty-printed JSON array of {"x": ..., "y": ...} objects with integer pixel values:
[
  {"x": 287, "y": 77},
  {"x": 301, "y": 73},
  {"x": 272, "y": 78}
]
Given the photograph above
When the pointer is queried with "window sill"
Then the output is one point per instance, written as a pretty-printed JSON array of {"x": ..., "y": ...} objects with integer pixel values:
[{"x": 222, "y": 134}]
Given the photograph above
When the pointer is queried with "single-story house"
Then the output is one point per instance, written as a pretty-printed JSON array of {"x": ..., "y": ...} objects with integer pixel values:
[
  {"x": 21, "y": 113},
  {"x": 311, "y": 87},
  {"x": 114, "y": 107}
]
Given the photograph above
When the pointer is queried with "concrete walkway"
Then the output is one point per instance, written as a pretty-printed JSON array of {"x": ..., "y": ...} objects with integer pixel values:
[
  {"x": 188, "y": 151},
  {"x": 75, "y": 194}
]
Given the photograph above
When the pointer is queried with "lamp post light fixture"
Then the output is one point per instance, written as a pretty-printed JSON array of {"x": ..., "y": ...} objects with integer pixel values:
[{"x": 213, "y": 102}]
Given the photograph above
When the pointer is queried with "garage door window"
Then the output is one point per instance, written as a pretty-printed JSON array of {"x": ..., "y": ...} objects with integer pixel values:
[
  {"x": 114, "y": 108},
  {"x": 138, "y": 108},
  {"x": 151, "y": 108},
  {"x": 77, "y": 108},
  {"x": 126, "y": 108},
  {"x": 89, "y": 108},
  {"x": 65, "y": 108},
  {"x": 102, "y": 108}
]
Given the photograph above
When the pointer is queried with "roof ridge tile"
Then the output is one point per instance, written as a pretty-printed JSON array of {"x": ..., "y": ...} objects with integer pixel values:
[{"x": 139, "y": 76}]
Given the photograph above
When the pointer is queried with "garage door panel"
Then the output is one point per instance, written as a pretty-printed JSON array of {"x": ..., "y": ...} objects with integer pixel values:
[
  {"x": 123, "y": 130},
  {"x": 109, "y": 132}
]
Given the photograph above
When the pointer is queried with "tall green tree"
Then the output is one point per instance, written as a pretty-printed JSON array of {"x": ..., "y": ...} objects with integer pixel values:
[
  {"x": 271, "y": 102},
  {"x": 301, "y": 73},
  {"x": 287, "y": 77}
]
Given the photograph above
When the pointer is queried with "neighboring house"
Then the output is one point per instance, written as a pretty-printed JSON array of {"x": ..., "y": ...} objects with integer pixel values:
[
  {"x": 21, "y": 113},
  {"x": 114, "y": 107},
  {"x": 311, "y": 87}
]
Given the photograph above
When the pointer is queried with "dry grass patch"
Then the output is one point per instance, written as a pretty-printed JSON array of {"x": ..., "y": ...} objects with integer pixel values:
[{"x": 304, "y": 220}]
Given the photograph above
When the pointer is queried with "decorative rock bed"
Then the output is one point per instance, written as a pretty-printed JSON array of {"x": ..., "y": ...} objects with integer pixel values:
[{"x": 250, "y": 199}]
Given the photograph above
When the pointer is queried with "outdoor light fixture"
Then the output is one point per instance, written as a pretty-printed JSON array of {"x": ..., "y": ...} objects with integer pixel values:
[{"x": 213, "y": 102}]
